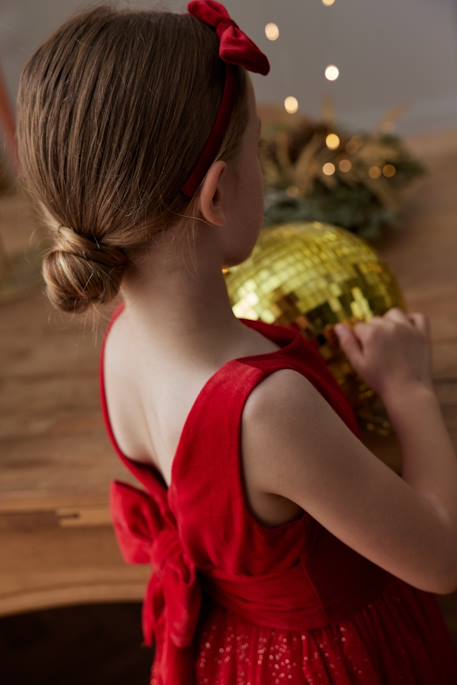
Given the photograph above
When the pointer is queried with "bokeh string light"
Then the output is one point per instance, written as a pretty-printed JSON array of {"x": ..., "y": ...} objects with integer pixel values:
[
  {"x": 374, "y": 172},
  {"x": 389, "y": 170},
  {"x": 332, "y": 140},
  {"x": 272, "y": 31},
  {"x": 328, "y": 169},
  {"x": 345, "y": 165},
  {"x": 332, "y": 72},
  {"x": 291, "y": 104}
]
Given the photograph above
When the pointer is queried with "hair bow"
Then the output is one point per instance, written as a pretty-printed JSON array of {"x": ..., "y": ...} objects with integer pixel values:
[{"x": 235, "y": 46}]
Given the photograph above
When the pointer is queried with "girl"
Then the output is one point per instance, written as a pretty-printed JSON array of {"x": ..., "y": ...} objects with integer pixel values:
[{"x": 282, "y": 550}]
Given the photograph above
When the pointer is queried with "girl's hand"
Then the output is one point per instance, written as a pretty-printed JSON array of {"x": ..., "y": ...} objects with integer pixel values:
[{"x": 389, "y": 352}]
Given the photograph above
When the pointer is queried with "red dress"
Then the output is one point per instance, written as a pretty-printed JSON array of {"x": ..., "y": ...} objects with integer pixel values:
[{"x": 231, "y": 601}]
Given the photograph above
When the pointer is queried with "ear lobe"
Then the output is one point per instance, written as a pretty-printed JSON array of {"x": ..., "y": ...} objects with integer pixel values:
[{"x": 212, "y": 194}]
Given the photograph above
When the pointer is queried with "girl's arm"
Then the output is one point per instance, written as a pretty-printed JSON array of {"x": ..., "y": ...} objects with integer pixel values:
[
  {"x": 295, "y": 445},
  {"x": 429, "y": 463}
]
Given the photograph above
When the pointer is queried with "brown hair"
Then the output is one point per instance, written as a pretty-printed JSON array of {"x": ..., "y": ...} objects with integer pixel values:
[{"x": 112, "y": 113}]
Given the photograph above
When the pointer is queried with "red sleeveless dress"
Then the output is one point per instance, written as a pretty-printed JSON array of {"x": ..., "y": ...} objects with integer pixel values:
[{"x": 232, "y": 601}]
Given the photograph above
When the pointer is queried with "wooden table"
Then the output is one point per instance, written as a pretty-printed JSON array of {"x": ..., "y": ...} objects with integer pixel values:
[{"x": 58, "y": 545}]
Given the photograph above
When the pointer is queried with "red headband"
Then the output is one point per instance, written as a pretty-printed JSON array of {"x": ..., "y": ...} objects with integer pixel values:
[{"x": 235, "y": 48}]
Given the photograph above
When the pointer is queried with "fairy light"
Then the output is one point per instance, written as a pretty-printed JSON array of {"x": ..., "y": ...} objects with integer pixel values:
[
  {"x": 332, "y": 141},
  {"x": 328, "y": 169},
  {"x": 331, "y": 72},
  {"x": 345, "y": 165},
  {"x": 389, "y": 170},
  {"x": 272, "y": 31},
  {"x": 291, "y": 104},
  {"x": 374, "y": 172}
]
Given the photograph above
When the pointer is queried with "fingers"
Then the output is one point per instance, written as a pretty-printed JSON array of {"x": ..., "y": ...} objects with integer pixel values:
[
  {"x": 349, "y": 342},
  {"x": 397, "y": 314},
  {"x": 417, "y": 319},
  {"x": 362, "y": 329},
  {"x": 422, "y": 322}
]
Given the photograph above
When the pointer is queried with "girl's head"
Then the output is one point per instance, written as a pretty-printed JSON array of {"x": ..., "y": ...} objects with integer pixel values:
[{"x": 112, "y": 113}]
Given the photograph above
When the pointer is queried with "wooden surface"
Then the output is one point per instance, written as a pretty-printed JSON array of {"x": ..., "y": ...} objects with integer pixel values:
[{"x": 57, "y": 542}]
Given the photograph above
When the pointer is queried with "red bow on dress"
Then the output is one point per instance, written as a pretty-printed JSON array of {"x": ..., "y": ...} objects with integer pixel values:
[
  {"x": 235, "y": 46},
  {"x": 281, "y": 599},
  {"x": 146, "y": 532}
]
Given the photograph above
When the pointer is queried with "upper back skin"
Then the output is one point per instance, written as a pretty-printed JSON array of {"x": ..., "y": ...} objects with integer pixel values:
[{"x": 148, "y": 410}]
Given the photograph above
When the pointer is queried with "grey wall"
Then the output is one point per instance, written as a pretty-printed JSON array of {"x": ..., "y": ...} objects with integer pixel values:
[{"x": 389, "y": 52}]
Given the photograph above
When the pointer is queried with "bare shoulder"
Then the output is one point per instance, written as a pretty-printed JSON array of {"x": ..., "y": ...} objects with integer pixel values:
[
  {"x": 280, "y": 407},
  {"x": 297, "y": 446},
  {"x": 125, "y": 409}
]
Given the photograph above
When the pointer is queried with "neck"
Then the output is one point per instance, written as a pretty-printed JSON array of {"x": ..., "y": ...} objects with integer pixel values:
[{"x": 180, "y": 305}]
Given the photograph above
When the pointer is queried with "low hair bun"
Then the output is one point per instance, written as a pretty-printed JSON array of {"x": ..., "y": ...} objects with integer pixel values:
[
  {"x": 82, "y": 270},
  {"x": 109, "y": 152}
]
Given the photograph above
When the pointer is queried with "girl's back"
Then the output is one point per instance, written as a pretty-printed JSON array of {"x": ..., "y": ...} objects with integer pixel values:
[
  {"x": 150, "y": 398},
  {"x": 269, "y": 603}
]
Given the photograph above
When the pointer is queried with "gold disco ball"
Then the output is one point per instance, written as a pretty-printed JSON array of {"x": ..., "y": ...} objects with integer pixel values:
[{"x": 311, "y": 276}]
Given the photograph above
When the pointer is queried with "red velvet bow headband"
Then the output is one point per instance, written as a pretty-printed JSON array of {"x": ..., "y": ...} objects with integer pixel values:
[{"x": 235, "y": 48}]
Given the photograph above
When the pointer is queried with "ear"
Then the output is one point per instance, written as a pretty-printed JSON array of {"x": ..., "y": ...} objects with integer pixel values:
[{"x": 210, "y": 202}]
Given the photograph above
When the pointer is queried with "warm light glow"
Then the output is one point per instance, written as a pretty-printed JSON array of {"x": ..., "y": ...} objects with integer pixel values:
[
  {"x": 272, "y": 31},
  {"x": 389, "y": 170},
  {"x": 329, "y": 169},
  {"x": 345, "y": 165},
  {"x": 374, "y": 172},
  {"x": 291, "y": 104},
  {"x": 332, "y": 72},
  {"x": 328, "y": 3},
  {"x": 332, "y": 141}
]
